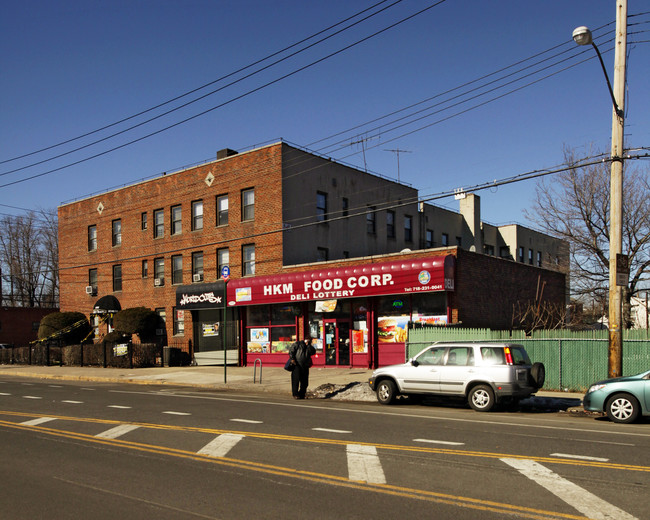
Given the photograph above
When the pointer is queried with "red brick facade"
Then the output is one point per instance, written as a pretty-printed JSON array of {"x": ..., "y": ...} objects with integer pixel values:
[
  {"x": 19, "y": 325},
  {"x": 260, "y": 169}
]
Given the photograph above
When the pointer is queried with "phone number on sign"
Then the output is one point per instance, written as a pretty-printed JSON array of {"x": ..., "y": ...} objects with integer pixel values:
[{"x": 424, "y": 288}]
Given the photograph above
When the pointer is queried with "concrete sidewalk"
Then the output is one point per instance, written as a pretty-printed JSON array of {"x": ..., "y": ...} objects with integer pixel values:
[{"x": 344, "y": 383}]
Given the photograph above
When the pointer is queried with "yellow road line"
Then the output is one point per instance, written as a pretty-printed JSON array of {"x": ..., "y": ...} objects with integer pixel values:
[
  {"x": 334, "y": 480},
  {"x": 337, "y": 442}
]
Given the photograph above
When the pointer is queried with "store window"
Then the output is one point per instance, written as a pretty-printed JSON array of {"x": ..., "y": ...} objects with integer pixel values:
[
  {"x": 271, "y": 328},
  {"x": 429, "y": 308},
  {"x": 179, "y": 321}
]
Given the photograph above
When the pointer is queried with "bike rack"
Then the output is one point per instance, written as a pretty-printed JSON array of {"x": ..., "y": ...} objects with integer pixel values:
[{"x": 255, "y": 370}]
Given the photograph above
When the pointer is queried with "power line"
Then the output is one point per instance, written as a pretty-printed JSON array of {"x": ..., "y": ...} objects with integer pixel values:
[
  {"x": 221, "y": 105},
  {"x": 242, "y": 69}
]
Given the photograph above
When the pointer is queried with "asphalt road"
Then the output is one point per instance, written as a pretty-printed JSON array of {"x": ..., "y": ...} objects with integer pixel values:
[{"x": 99, "y": 450}]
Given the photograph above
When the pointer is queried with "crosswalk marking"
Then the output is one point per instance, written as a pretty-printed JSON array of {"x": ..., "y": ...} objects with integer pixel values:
[
  {"x": 581, "y": 499},
  {"x": 37, "y": 421},
  {"x": 221, "y": 445},
  {"x": 364, "y": 465},
  {"x": 118, "y": 431}
]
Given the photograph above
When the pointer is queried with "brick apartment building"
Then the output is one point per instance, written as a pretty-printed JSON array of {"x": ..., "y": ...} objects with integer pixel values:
[{"x": 313, "y": 247}]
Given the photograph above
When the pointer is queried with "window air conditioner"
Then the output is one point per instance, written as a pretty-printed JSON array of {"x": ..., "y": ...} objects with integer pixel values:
[
  {"x": 89, "y": 289},
  {"x": 159, "y": 282},
  {"x": 197, "y": 277}
]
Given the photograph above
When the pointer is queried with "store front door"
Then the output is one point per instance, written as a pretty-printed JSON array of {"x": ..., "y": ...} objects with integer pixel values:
[{"x": 337, "y": 342}]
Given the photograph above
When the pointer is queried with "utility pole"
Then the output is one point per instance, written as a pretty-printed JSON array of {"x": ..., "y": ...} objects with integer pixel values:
[
  {"x": 397, "y": 151},
  {"x": 616, "y": 287}
]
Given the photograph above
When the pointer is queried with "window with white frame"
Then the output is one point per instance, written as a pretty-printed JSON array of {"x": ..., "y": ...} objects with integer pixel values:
[
  {"x": 117, "y": 232},
  {"x": 248, "y": 259},
  {"x": 92, "y": 238},
  {"x": 248, "y": 204},
  {"x": 197, "y": 215},
  {"x": 176, "y": 220},
  {"x": 177, "y": 269},
  {"x": 222, "y": 210}
]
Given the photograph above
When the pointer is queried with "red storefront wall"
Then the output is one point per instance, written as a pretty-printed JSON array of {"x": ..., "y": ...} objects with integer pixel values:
[{"x": 403, "y": 277}]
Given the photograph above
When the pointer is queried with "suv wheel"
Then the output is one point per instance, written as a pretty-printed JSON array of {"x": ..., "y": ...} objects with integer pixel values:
[
  {"x": 386, "y": 391},
  {"x": 481, "y": 398}
]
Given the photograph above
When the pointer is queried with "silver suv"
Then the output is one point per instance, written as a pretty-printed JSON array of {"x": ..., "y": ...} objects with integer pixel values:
[{"x": 483, "y": 373}]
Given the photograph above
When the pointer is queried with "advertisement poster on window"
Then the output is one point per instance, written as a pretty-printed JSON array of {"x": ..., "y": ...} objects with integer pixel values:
[
  {"x": 392, "y": 329},
  {"x": 359, "y": 343},
  {"x": 430, "y": 320},
  {"x": 259, "y": 341},
  {"x": 210, "y": 329}
]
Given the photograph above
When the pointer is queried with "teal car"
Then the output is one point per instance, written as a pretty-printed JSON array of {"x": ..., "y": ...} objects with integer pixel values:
[{"x": 623, "y": 399}]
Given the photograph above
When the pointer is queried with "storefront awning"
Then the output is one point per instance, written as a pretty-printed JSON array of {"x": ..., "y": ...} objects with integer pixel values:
[
  {"x": 200, "y": 296},
  {"x": 399, "y": 277}
]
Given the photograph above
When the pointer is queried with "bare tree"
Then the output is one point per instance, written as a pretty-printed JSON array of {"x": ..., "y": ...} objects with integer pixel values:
[
  {"x": 574, "y": 206},
  {"x": 29, "y": 260}
]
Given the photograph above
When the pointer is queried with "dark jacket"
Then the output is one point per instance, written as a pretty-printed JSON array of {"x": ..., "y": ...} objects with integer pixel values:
[{"x": 302, "y": 353}]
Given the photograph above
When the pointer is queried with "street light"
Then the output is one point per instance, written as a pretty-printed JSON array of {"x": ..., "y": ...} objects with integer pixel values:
[{"x": 582, "y": 36}]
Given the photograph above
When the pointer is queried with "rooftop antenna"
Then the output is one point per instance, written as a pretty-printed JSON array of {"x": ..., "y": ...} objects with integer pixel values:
[
  {"x": 397, "y": 151},
  {"x": 362, "y": 142}
]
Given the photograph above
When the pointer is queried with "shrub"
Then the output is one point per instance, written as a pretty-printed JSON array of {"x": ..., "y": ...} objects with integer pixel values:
[
  {"x": 137, "y": 320},
  {"x": 69, "y": 327}
]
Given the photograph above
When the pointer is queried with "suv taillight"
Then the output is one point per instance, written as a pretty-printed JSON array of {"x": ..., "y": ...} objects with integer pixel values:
[{"x": 506, "y": 350}]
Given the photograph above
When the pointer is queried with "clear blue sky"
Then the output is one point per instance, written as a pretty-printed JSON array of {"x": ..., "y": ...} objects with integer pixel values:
[{"x": 73, "y": 66}]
